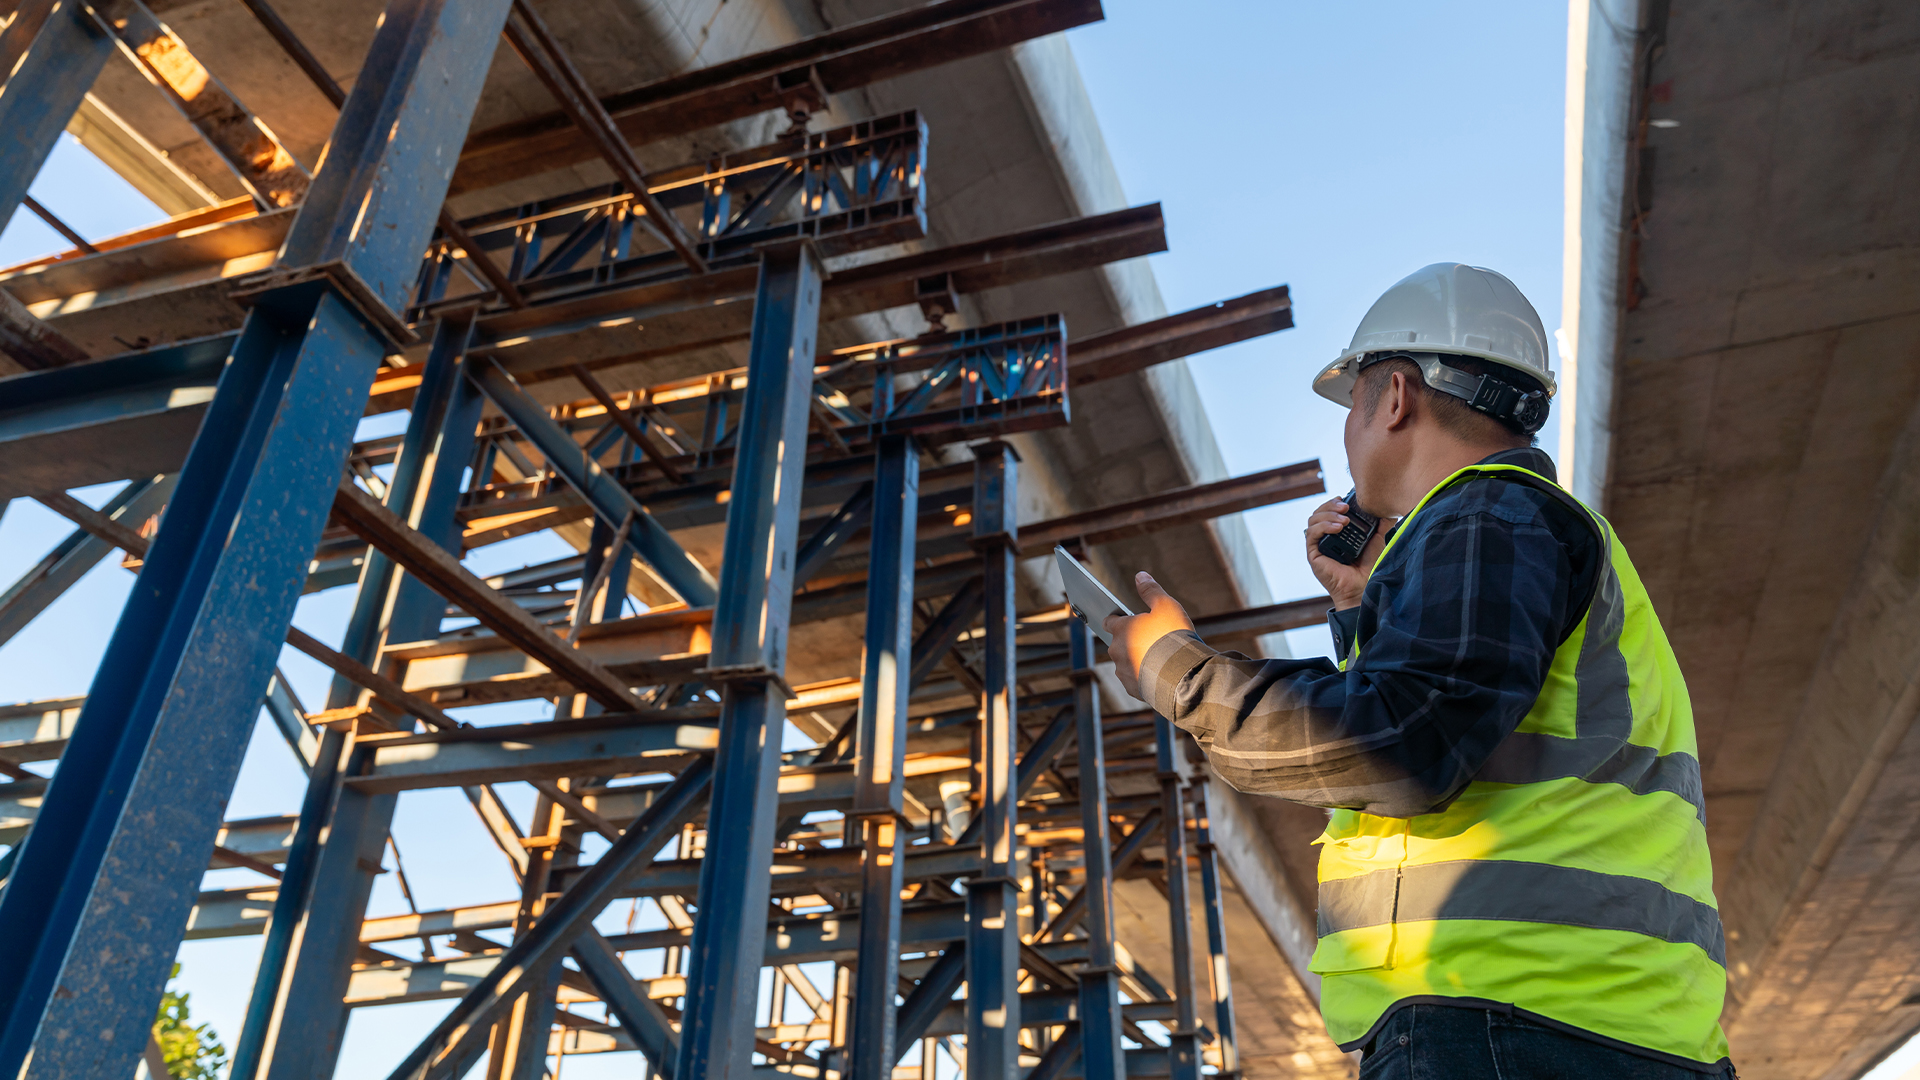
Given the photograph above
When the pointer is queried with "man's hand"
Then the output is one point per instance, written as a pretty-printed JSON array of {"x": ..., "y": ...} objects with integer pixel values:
[
  {"x": 1133, "y": 635},
  {"x": 1343, "y": 583}
]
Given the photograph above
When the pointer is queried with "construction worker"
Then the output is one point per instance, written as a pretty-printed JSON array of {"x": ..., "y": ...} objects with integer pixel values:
[{"x": 1514, "y": 878}]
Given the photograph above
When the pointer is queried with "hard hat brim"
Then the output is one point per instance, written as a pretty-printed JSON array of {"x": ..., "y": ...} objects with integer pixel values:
[{"x": 1336, "y": 381}]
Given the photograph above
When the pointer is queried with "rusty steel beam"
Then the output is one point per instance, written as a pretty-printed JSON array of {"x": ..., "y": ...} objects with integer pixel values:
[
  {"x": 1178, "y": 507},
  {"x": 538, "y": 48},
  {"x": 1244, "y": 624},
  {"x": 33, "y": 344},
  {"x": 998, "y": 261},
  {"x": 53, "y": 222},
  {"x": 1135, "y": 348},
  {"x": 270, "y": 174},
  {"x": 370, "y": 680},
  {"x": 695, "y": 312},
  {"x": 441, "y": 572},
  {"x": 1271, "y": 619},
  {"x": 795, "y": 77},
  {"x": 620, "y": 416},
  {"x": 117, "y": 533},
  {"x": 302, "y": 57},
  {"x": 121, "y": 536}
]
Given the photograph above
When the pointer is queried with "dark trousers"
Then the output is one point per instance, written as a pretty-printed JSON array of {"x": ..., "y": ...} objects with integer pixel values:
[{"x": 1445, "y": 1042}]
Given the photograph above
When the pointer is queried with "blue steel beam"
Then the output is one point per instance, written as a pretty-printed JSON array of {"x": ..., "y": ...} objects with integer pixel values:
[
  {"x": 749, "y": 654},
  {"x": 81, "y": 551},
  {"x": 993, "y": 899},
  {"x": 880, "y": 760},
  {"x": 446, "y": 409},
  {"x": 113, "y": 419},
  {"x": 830, "y": 537},
  {"x": 304, "y": 1035},
  {"x": 284, "y": 709},
  {"x": 53, "y": 51},
  {"x": 1100, "y": 1018},
  {"x": 608, "y": 497},
  {"x": 1219, "y": 975},
  {"x": 94, "y": 918},
  {"x": 931, "y": 994},
  {"x": 1183, "y": 1043},
  {"x": 642, "y": 1017}
]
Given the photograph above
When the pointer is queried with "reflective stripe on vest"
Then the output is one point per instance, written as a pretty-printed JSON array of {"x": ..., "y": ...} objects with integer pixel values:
[{"x": 1571, "y": 878}]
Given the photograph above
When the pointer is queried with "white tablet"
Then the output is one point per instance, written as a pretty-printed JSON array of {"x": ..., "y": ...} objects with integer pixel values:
[{"x": 1091, "y": 601}]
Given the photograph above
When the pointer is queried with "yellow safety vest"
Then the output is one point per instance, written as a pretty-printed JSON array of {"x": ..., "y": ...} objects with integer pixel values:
[{"x": 1570, "y": 880}]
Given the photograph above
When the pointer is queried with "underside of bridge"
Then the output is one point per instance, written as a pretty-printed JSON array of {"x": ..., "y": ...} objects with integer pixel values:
[
  {"x": 811, "y": 326},
  {"x": 1747, "y": 264}
]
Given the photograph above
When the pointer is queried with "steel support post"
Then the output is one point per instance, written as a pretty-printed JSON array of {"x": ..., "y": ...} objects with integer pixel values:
[
  {"x": 993, "y": 901},
  {"x": 1183, "y": 1045},
  {"x": 748, "y": 657},
  {"x": 517, "y": 1049},
  {"x": 303, "y": 1037},
  {"x": 1100, "y": 1019},
  {"x": 438, "y": 439},
  {"x": 880, "y": 762},
  {"x": 52, "y": 51},
  {"x": 160, "y": 739},
  {"x": 1220, "y": 976},
  {"x": 96, "y": 914}
]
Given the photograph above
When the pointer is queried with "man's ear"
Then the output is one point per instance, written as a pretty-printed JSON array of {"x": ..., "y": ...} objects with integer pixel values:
[{"x": 1399, "y": 403}]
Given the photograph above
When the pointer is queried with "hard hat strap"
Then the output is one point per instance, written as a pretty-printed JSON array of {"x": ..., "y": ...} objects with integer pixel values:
[{"x": 1489, "y": 394}]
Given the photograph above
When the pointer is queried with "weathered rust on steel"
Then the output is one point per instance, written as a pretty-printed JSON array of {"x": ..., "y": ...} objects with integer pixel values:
[{"x": 264, "y": 167}]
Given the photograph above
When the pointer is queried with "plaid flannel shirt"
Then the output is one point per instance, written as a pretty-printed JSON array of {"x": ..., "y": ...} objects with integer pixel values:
[{"x": 1459, "y": 621}]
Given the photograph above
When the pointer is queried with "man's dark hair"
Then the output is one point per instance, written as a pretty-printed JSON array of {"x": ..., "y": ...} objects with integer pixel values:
[{"x": 1454, "y": 414}]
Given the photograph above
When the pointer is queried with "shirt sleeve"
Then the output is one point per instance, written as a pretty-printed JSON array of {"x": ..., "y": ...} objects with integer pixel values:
[
  {"x": 1342, "y": 624},
  {"x": 1460, "y": 631}
]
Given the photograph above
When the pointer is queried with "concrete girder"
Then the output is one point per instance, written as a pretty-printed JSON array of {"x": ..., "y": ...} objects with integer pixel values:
[
  {"x": 1758, "y": 365},
  {"x": 794, "y": 77}
]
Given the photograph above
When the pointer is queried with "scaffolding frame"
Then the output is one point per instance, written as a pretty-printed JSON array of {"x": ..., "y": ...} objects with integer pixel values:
[{"x": 255, "y": 492}]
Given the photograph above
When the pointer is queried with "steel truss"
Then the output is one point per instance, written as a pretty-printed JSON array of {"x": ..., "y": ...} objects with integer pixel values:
[{"x": 951, "y": 827}]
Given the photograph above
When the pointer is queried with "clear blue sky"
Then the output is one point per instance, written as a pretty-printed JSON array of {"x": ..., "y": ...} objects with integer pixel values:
[{"x": 1331, "y": 147}]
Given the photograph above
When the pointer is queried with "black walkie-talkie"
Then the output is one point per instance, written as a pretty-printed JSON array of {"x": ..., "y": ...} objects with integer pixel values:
[{"x": 1347, "y": 545}]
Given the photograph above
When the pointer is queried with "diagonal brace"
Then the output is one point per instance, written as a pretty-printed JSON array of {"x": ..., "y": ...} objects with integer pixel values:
[
  {"x": 459, "y": 1038},
  {"x": 442, "y": 573},
  {"x": 641, "y": 1016},
  {"x": 1124, "y": 856},
  {"x": 608, "y": 497}
]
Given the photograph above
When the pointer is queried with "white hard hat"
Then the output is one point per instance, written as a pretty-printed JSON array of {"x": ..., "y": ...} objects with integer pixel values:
[{"x": 1448, "y": 309}]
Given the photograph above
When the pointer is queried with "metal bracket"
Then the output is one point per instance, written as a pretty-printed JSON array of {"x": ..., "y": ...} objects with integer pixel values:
[
  {"x": 259, "y": 290},
  {"x": 744, "y": 673},
  {"x": 802, "y": 94},
  {"x": 938, "y": 298}
]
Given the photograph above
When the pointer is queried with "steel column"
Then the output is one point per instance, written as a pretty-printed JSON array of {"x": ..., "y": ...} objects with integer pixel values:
[
  {"x": 880, "y": 762},
  {"x": 1219, "y": 975},
  {"x": 160, "y": 739},
  {"x": 164, "y": 729},
  {"x": 53, "y": 51},
  {"x": 993, "y": 901},
  {"x": 446, "y": 408},
  {"x": 1100, "y": 1020},
  {"x": 748, "y": 656},
  {"x": 1183, "y": 1047}
]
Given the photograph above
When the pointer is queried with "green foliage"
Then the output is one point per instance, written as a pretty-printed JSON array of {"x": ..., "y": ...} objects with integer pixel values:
[{"x": 191, "y": 1053}]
